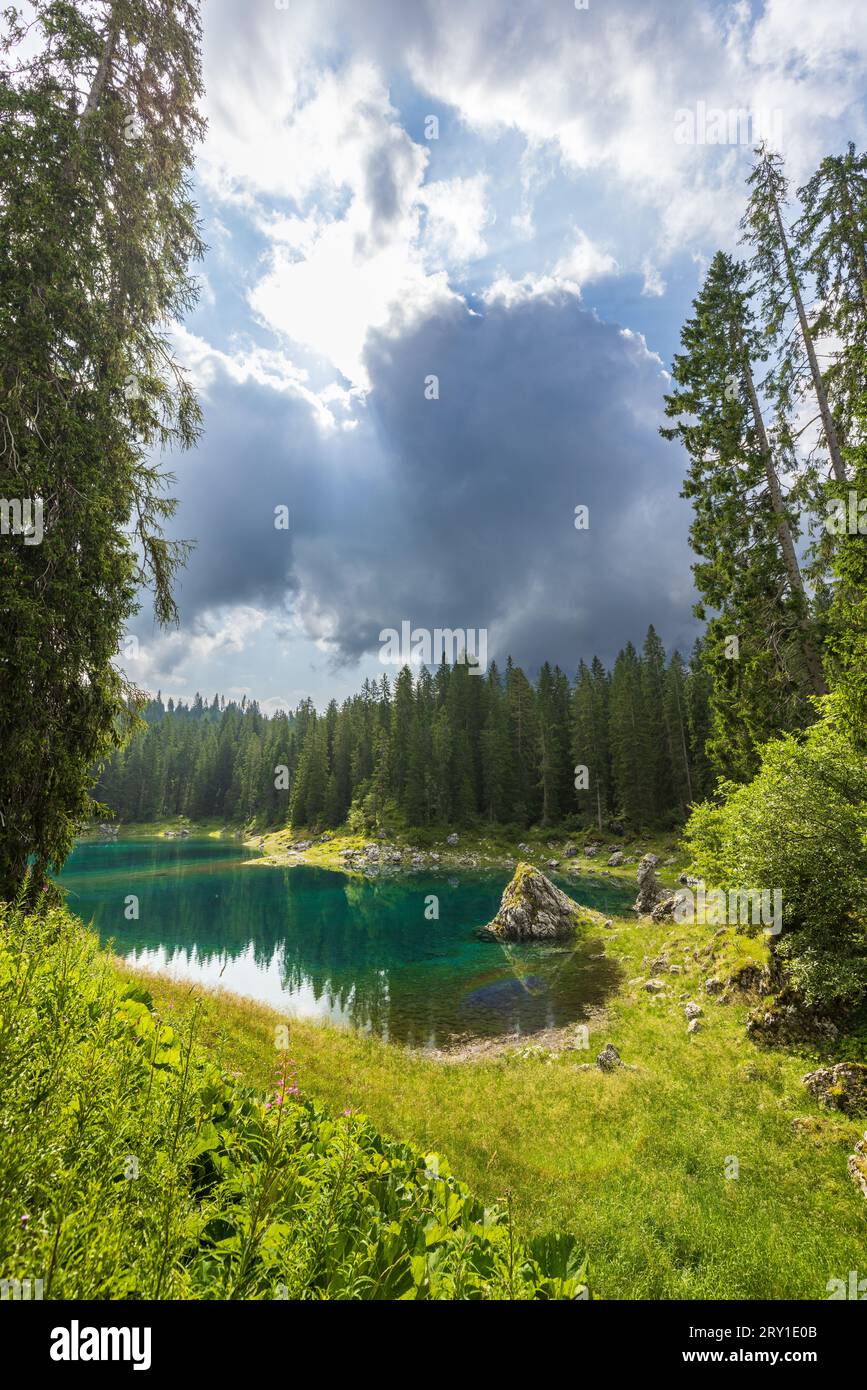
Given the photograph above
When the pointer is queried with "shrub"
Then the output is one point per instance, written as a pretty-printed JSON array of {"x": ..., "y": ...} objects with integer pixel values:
[
  {"x": 801, "y": 826},
  {"x": 131, "y": 1166}
]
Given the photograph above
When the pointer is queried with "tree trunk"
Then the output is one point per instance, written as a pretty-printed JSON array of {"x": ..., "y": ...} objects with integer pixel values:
[
  {"x": 828, "y": 425},
  {"x": 790, "y": 558},
  {"x": 97, "y": 87}
]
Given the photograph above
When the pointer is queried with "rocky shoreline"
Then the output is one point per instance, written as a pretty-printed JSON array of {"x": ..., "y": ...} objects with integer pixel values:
[{"x": 381, "y": 855}]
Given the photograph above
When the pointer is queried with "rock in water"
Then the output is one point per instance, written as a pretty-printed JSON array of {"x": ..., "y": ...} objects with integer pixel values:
[{"x": 533, "y": 909}]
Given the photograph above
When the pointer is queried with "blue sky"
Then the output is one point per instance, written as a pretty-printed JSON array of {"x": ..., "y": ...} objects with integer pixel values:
[{"x": 538, "y": 257}]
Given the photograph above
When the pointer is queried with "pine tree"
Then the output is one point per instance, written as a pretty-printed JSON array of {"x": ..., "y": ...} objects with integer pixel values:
[
  {"x": 697, "y": 695},
  {"x": 664, "y": 766},
  {"x": 778, "y": 266},
  {"x": 382, "y": 780},
  {"x": 830, "y": 238},
  {"x": 402, "y": 711},
  {"x": 743, "y": 529},
  {"x": 630, "y": 741},
  {"x": 96, "y": 234},
  {"x": 521, "y": 706},
  {"x": 676, "y": 718},
  {"x": 497, "y": 781},
  {"x": 848, "y": 627},
  {"x": 308, "y": 794},
  {"x": 591, "y": 741}
]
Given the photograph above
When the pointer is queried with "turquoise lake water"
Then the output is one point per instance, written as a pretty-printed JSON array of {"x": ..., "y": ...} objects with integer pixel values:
[{"x": 358, "y": 952}]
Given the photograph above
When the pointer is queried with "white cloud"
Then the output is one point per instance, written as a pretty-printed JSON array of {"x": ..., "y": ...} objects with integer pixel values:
[
  {"x": 308, "y": 143},
  {"x": 267, "y": 367},
  {"x": 582, "y": 263},
  {"x": 349, "y": 258},
  {"x": 457, "y": 212},
  {"x": 173, "y": 659},
  {"x": 603, "y": 87},
  {"x": 654, "y": 286}
]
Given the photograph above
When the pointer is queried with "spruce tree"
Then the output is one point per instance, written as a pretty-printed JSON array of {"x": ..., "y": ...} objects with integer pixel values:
[
  {"x": 630, "y": 741},
  {"x": 590, "y": 745},
  {"x": 777, "y": 263},
  {"x": 761, "y": 645},
  {"x": 99, "y": 123},
  {"x": 521, "y": 706},
  {"x": 831, "y": 241}
]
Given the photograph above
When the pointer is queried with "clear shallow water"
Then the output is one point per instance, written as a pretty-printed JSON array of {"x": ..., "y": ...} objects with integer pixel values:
[{"x": 358, "y": 952}]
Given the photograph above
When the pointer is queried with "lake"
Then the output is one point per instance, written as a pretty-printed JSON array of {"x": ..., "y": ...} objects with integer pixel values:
[{"x": 358, "y": 952}]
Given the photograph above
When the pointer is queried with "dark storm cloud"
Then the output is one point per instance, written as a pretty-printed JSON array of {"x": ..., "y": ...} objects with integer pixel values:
[
  {"x": 456, "y": 512},
  {"x": 541, "y": 408}
]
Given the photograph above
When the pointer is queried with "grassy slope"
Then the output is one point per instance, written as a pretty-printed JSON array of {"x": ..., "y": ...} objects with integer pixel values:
[
  {"x": 131, "y": 1166},
  {"x": 632, "y": 1162}
]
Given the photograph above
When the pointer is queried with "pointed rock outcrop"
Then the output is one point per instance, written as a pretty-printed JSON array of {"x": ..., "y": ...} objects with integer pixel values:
[{"x": 534, "y": 909}]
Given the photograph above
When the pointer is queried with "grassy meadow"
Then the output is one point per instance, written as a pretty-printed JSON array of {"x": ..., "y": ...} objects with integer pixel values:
[{"x": 638, "y": 1164}]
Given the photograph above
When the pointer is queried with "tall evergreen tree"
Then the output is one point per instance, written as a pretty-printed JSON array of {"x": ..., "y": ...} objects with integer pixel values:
[
  {"x": 779, "y": 269},
  {"x": 743, "y": 528},
  {"x": 591, "y": 741},
  {"x": 630, "y": 738},
  {"x": 831, "y": 241},
  {"x": 99, "y": 123}
]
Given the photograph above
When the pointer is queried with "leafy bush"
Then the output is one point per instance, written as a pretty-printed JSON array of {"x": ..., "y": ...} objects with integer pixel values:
[
  {"x": 801, "y": 826},
  {"x": 131, "y": 1166}
]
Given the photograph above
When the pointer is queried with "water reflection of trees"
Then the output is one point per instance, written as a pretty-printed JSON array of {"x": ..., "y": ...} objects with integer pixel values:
[{"x": 362, "y": 947}]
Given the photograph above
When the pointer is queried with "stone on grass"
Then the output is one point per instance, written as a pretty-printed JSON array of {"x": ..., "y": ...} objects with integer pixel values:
[
  {"x": 858, "y": 1165},
  {"x": 842, "y": 1087},
  {"x": 609, "y": 1058}
]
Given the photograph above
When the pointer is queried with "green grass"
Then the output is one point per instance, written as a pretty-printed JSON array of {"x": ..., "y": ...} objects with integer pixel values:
[
  {"x": 154, "y": 829},
  {"x": 133, "y": 1165},
  {"x": 492, "y": 845},
  {"x": 633, "y": 1163}
]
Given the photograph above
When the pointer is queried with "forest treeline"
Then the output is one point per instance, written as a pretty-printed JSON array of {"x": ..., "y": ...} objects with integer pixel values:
[{"x": 435, "y": 747}]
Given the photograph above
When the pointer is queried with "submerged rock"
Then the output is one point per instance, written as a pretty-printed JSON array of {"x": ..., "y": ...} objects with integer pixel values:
[{"x": 533, "y": 909}]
